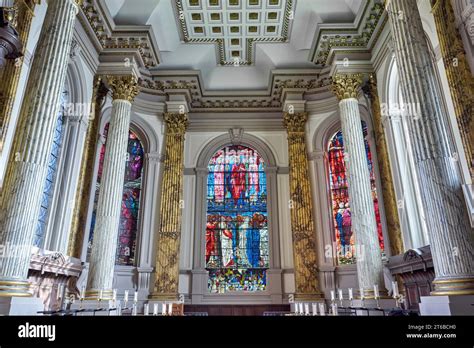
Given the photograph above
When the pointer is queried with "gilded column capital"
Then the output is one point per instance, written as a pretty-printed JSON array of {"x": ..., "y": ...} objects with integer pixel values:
[
  {"x": 124, "y": 87},
  {"x": 295, "y": 122},
  {"x": 176, "y": 123},
  {"x": 346, "y": 86}
]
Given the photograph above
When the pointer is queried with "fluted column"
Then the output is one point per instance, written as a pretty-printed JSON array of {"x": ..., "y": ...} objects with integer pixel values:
[
  {"x": 10, "y": 75},
  {"x": 104, "y": 248},
  {"x": 301, "y": 210},
  {"x": 27, "y": 167},
  {"x": 385, "y": 171},
  {"x": 451, "y": 237},
  {"x": 364, "y": 225},
  {"x": 460, "y": 79},
  {"x": 84, "y": 185},
  {"x": 169, "y": 235}
]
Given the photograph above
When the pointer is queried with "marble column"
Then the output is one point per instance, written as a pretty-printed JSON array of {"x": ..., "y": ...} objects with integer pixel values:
[
  {"x": 20, "y": 200},
  {"x": 84, "y": 186},
  {"x": 104, "y": 247},
  {"x": 10, "y": 76},
  {"x": 169, "y": 234},
  {"x": 301, "y": 210},
  {"x": 460, "y": 79},
  {"x": 388, "y": 188},
  {"x": 364, "y": 225},
  {"x": 450, "y": 233}
]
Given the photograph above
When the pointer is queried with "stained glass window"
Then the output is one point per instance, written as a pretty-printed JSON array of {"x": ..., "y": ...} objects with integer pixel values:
[
  {"x": 340, "y": 198},
  {"x": 129, "y": 216},
  {"x": 237, "y": 222},
  {"x": 48, "y": 190}
]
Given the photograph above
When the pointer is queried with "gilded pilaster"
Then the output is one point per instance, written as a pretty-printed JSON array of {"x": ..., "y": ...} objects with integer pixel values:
[
  {"x": 301, "y": 208},
  {"x": 84, "y": 186},
  {"x": 388, "y": 190},
  {"x": 169, "y": 235},
  {"x": 12, "y": 71},
  {"x": 460, "y": 79}
]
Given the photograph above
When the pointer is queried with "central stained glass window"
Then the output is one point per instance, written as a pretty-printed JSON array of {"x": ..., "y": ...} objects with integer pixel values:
[{"x": 237, "y": 254}]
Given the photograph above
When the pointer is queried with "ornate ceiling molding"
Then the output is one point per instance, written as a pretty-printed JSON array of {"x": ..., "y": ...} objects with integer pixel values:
[
  {"x": 205, "y": 101},
  {"x": 195, "y": 18},
  {"x": 362, "y": 38},
  {"x": 110, "y": 38}
]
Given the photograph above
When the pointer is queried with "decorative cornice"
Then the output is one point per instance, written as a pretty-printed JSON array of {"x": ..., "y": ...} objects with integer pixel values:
[
  {"x": 347, "y": 86},
  {"x": 114, "y": 38},
  {"x": 361, "y": 38},
  {"x": 124, "y": 87}
]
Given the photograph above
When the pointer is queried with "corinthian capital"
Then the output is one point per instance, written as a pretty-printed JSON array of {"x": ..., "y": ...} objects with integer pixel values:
[
  {"x": 124, "y": 87},
  {"x": 176, "y": 123},
  {"x": 295, "y": 122},
  {"x": 346, "y": 86}
]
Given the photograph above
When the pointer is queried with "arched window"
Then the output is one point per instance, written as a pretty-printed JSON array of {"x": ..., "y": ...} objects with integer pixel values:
[
  {"x": 237, "y": 252},
  {"x": 132, "y": 186},
  {"x": 340, "y": 198},
  {"x": 48, "y": 190}
]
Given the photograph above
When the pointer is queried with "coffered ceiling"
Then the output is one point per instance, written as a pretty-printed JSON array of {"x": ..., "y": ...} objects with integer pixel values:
[{"x": 234, "y": 45}]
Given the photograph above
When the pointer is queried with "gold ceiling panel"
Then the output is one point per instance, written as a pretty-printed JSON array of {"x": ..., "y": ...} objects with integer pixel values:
[{"x": 235, "y": 26}]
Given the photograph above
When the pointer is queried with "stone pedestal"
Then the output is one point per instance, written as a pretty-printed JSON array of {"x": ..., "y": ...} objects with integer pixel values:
[
  {"x": 21, "y": 305},
  {"x": 447, "y": 305}
]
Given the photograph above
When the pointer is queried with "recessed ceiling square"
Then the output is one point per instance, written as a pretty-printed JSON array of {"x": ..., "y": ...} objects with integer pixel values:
[
  {"x": 234, "y": 2},
  {"x": 216, "y": 30},
  {"x": 235, "y": 54},
  {"x": 273, "y": 2},
  {"x": 215, "y": 16},
  {"x": 253, "y": 16},
  {"x": 254, "y": 2},
  {"x": 234, "y": 30},
  {"x": 213, "y": 2},
  {"x": 234, "y": 16},
  {"x": 253, "y": 29},
  {"x": 272, "y": 15},
  {"x": 199, "y": 30},
  {"x": 196, "y": 16},
  {"x": 235, "y": 42},
  {"x": 271, "y": 29},
  {"x": 193, "y": 2}
]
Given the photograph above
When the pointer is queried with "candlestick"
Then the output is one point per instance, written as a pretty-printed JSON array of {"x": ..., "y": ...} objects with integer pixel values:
[
  {"x": 362, "y": 295},
  {"x": 170, "y": 309},
  {"x": 396, "y": 293},
  {"x": 163, "y": 308},
  {"x": 334, "y": 309},
  {"x": 301, "y": 308},
  {"x": 59, "y": 292},
  {"x": 83, "y": 292},
  {"x": 341, "y": 296},
  {"x": 101, "y": 294},
  {"x": 322, "y": 309},
  {"x": 351, "y": 294},
  {"x": 333, "y": 296},
  {"x": 125, "y": 296},
  {"x": 376, "y": 291},
  {"x": 315, "y": 309},
  {"x": 146, "y": 309},
  {"x": 155, "y": 309},
  {"x": 114, "y": 295},
  {"x": 134, "y": 309},
  {"x": 306, "y": 308},
  {"x": 135, "y": 297}
]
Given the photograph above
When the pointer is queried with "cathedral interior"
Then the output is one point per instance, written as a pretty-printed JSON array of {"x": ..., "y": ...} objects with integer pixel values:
[{"x": 237, "y": 157}]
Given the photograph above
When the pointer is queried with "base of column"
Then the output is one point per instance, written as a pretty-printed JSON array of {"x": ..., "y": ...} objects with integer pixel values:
[
  {"x": 447, "y": 305},
  {"x": 95, "y": 295},
  {"x": 170, "y": 297},
  {"x": 21, "y": 306},
  {"x": 309, "y": 297},
  {"x": 11, "y": 288},
  {"x": 453, "y": 287}
]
